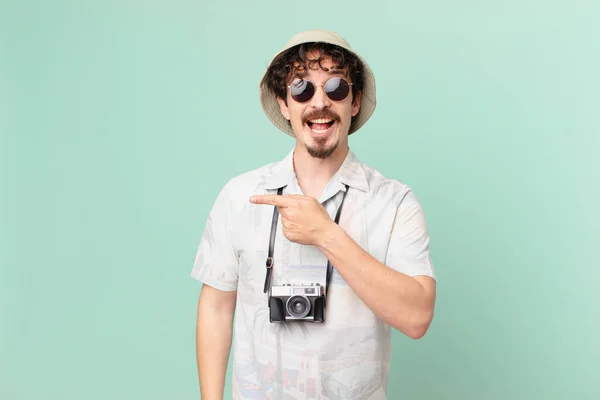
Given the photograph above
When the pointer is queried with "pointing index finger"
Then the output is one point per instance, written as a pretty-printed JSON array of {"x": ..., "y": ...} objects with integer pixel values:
[{"x": 272, "y": 199}]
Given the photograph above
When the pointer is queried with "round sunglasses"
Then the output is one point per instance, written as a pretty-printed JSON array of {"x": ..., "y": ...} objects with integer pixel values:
[{"x": 302, "y": 90}]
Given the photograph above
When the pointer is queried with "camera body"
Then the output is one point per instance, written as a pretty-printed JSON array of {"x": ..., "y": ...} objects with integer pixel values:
[{"x": 289, "y": 302}]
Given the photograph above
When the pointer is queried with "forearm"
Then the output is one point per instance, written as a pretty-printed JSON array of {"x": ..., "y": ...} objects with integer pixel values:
[
  {"x": 213, "y": 345},
  {"x": 398, "y": 299}
]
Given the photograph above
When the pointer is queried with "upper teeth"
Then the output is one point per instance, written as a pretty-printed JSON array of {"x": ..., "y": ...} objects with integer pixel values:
[{"x": 320, "y": 121}]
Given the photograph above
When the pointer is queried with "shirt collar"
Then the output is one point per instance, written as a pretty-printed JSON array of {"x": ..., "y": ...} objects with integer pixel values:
[{"x": 350, "y": 173}]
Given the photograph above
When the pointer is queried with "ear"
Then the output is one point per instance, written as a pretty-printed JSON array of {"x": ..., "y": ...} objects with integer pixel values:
[
  {"x": 284, "y": 108},
  {"x": 356, "y": 104}
]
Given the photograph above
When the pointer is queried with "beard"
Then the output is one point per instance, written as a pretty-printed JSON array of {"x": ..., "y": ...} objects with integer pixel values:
[{"x": 320, "y": 149}]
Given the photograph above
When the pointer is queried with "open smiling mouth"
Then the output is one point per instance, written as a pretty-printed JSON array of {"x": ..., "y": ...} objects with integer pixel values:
[{"x": 320, "y": 125}]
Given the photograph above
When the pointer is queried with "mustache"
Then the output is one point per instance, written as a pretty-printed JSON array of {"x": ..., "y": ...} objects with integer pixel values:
[{"x": 325, "y": 113}]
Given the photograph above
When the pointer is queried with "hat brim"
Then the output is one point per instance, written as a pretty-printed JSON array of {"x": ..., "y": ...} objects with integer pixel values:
[{"x": 271, "y": 107}]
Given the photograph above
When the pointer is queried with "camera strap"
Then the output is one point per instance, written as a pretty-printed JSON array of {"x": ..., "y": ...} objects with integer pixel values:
[{"x": 270, "y": 262}]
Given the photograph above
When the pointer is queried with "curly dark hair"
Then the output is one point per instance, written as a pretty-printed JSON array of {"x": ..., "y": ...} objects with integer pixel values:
[{"x": 293, "y": 63}]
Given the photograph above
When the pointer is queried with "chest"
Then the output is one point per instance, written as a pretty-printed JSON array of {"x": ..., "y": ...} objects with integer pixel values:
[{"x": 368, "y": 226}]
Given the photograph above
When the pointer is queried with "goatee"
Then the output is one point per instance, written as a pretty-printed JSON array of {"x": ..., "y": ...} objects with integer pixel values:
[{"x": 321, "y": 150}]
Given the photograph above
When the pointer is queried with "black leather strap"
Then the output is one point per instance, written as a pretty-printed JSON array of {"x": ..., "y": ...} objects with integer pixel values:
[
  {"x": 270, "y": 259},
  {"x": 329, "y": 266}
]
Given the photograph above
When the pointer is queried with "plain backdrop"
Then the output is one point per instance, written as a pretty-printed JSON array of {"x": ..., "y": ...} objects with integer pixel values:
[{"x": 121, "y": 121}]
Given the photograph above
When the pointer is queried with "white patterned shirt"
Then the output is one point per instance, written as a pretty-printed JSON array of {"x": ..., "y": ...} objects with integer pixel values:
[{"x": 348, "y": 355}]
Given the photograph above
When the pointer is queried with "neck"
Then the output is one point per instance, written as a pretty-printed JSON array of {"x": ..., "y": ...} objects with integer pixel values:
[{"x": 312, "y": 173}]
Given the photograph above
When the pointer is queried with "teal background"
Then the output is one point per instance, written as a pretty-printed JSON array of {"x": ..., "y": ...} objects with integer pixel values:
[{"x": 121, "y": 120}]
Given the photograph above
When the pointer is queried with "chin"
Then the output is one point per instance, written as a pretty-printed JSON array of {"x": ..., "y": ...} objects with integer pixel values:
[{"x": 322, "y": 150}]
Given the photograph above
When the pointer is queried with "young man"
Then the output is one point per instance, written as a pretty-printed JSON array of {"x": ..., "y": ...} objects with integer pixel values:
[{"x": 272, "y": 232}]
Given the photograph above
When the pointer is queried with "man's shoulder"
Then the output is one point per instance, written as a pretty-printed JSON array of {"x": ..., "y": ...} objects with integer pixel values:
[
  {"x": 385, "y": 187},
  {"x": 250, "y": 181}
]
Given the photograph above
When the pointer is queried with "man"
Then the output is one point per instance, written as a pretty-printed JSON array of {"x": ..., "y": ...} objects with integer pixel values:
[{"x": 275, "y": 228}]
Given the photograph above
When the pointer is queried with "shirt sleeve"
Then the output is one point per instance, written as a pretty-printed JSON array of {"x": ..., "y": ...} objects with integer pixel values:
[
  {"x": 408, "y": 250},
  {"x": 216, "y": 262}
]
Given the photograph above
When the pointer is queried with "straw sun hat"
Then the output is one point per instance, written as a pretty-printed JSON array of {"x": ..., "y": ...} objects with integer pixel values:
[{"x": 367, "y": 102}]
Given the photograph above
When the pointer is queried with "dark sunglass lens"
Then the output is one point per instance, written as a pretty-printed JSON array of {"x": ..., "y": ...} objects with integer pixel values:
[
  {"x": 302, "y": 90},
  {"x": 337, "y": 89}
]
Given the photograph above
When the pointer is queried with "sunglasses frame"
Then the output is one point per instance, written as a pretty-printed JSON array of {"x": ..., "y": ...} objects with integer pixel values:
[{"x": 320, "y": 84}]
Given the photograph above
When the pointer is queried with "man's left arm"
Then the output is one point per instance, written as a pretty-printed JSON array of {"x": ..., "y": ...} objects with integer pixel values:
[{"x": 402, "y": 290}]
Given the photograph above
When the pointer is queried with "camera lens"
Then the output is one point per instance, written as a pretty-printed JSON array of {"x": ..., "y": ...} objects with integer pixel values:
[{"x": 298, "y": 306}]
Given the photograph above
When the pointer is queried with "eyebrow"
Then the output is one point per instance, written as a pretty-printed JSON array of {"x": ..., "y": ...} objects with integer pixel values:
[{"x": 337, "y": 72}]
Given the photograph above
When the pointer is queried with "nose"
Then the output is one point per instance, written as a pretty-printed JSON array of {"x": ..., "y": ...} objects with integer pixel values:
[{"x": 320, "y": 99}]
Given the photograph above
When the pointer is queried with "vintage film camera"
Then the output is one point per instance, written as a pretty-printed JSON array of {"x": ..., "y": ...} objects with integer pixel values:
[{"x": 297, "y": 302}]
